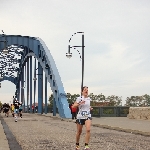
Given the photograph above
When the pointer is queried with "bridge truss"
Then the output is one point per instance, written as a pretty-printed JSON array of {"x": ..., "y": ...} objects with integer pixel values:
[{"x": 16, "y": 64}]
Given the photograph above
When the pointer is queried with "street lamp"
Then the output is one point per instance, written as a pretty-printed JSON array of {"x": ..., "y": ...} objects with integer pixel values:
[
  {"x": 34, "y": 79},
  {"x": 69, "y": 55}
]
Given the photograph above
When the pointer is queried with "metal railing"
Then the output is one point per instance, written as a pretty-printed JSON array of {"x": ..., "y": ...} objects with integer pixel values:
[
  {"x": 103, "y": 111},
  {"x": 110, "y": 111}
]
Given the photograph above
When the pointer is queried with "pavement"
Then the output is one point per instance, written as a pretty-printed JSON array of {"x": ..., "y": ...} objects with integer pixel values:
[
  {"x": 114, "y": 123},
  {"x": 3, "y": 140},
  {"x": 124, "y": 124}
]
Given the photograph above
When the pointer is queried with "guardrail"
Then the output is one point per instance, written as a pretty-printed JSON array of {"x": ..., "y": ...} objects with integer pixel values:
[
  {"x": 110, "y": 111},
  {"x": 106, "y": 111}
]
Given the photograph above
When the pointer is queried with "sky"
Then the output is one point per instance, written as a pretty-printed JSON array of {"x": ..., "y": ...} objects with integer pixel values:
[{"x": 116, "y": 37}]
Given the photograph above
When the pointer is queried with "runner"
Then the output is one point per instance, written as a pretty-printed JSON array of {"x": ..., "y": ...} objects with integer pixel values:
[
  {"x": 6, "y": 108},
  {"x": 12, "y": 110},
  {"x": 3, "y": 106},
  {"x": 20, "y": 109},
  {"x": 16, "y": 109},
  {"x": 74, "y": 112},
  {"x": 83, "y": 117}
]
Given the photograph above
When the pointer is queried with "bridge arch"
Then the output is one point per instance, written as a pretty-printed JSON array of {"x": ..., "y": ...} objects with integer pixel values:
[{"x": 36, "y": 47}]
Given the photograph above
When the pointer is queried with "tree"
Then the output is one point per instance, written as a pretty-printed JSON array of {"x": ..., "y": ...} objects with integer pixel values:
[
  {"x": 70, "y": 98},
  {"x": 1, "y": 104},
  {"x": 114, "y": 100},
  {"x": 135, "y": 101},
  {"x": 51, "y": 100},
  {"x": 146, "y": 100}
]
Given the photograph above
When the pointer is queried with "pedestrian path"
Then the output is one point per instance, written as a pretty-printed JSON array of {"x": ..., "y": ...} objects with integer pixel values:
[
  {"x": 3, "y": 140},
  {"x": 37, "y": 132},
  {"x": 118, "y": 123}
]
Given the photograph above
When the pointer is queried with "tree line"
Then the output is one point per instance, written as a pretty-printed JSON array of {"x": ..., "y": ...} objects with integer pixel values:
[{"x": 113, "y": 100}]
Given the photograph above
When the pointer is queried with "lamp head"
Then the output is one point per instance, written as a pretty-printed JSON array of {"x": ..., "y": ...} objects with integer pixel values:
[
  {"x": 34, "y": 79},
  {"x": 69, "y": 55},
  {"x": 46, "y": 66}
]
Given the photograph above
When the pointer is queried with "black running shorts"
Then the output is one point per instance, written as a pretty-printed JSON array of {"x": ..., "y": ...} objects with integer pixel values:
[
  {"x": 6, "y": 110},
  {"x": 20, "y": 110},
  {"x": 82, "y": 121}
]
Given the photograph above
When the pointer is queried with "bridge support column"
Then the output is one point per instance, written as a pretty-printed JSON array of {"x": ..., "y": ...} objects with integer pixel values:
[
  {"x": 24, "y": 78},
  {"x": 22, "y": 86},
  {"x": 40, "y": 88},
  {"x": 54, "y": 104},
  {"x": 30, "y": 84},
  {"x": 18, "y": 91},
  {"x": 34, "y": 83},
  {"x": 45, "y": 94}
]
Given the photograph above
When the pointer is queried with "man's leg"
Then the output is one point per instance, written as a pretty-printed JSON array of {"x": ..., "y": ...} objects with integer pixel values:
[
  {"x": 7, "y": 113},
  {"x": 87, "y": 136},
  {"x": 72, "y": 115},
  {"x": 15, "y": 114},
  {"x": 79, "y": 131},
  {"x": 21, "y": 113}
]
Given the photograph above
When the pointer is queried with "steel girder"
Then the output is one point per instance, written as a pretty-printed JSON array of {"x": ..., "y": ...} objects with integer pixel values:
[{"x": 33, "y": 46}]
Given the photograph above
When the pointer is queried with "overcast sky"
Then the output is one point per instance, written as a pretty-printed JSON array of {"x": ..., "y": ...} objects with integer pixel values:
[{"x": 117, "y": 41}]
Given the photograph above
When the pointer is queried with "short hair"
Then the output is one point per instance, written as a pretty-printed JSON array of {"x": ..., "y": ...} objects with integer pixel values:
[{"x": 84, "y": 88}]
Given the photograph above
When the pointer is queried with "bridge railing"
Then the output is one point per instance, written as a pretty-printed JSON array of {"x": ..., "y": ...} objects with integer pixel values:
[
  {"x": 106, "y": 111},
  {"x": 103, "y": 111},
  {"x": 110, "y": 111}
]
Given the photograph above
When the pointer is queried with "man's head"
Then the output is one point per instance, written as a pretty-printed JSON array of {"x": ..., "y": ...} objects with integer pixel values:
[{"x": 85, "y": 91}]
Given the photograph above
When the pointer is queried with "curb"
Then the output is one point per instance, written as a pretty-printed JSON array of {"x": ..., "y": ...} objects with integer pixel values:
[
  {"x": 12, "y": 142},
  {"x": 106, "y": 127},
  {"x": 122, "y": 129}
]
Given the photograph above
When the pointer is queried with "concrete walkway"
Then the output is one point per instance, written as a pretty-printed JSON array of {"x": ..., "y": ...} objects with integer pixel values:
[
  {"x": 37, "y": 132},
  {"x": 3, "y": 140},
  {"x": 118, "y": 123}
]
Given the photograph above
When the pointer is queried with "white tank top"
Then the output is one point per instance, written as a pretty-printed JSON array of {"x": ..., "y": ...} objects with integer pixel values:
[{"x": 84, "y": 109}]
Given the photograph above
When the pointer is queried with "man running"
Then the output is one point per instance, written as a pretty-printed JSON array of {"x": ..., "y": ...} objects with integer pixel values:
[
  {"x": 83, "y": 117},
  {"x": 3, "y": 108},
  {"x": 6, "y": 109},
  {"x": 16, "y": 108},
  {"x": 74, "y": 112},
  {"x": 20, "y": 109},
  {"x": 12, "y": 109}
]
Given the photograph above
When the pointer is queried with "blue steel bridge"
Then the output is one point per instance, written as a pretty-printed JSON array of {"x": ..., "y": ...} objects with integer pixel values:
[{"x": 19, "y": 55}]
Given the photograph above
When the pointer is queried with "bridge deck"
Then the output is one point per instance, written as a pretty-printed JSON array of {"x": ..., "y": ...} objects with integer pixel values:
[{"x": 36, "y": 132}]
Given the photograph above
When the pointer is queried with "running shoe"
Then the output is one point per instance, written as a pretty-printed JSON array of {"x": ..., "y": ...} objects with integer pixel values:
[
  {"x": 77, "y": 147},
  {"x": 87, "y": 148}
]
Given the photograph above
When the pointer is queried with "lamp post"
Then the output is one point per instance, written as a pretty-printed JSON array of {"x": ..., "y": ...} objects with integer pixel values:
[{"x": 69, "y": 55}]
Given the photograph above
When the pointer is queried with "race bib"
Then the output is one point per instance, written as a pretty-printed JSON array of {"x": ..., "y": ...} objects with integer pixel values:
[{"x": 85, "y": 113}]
